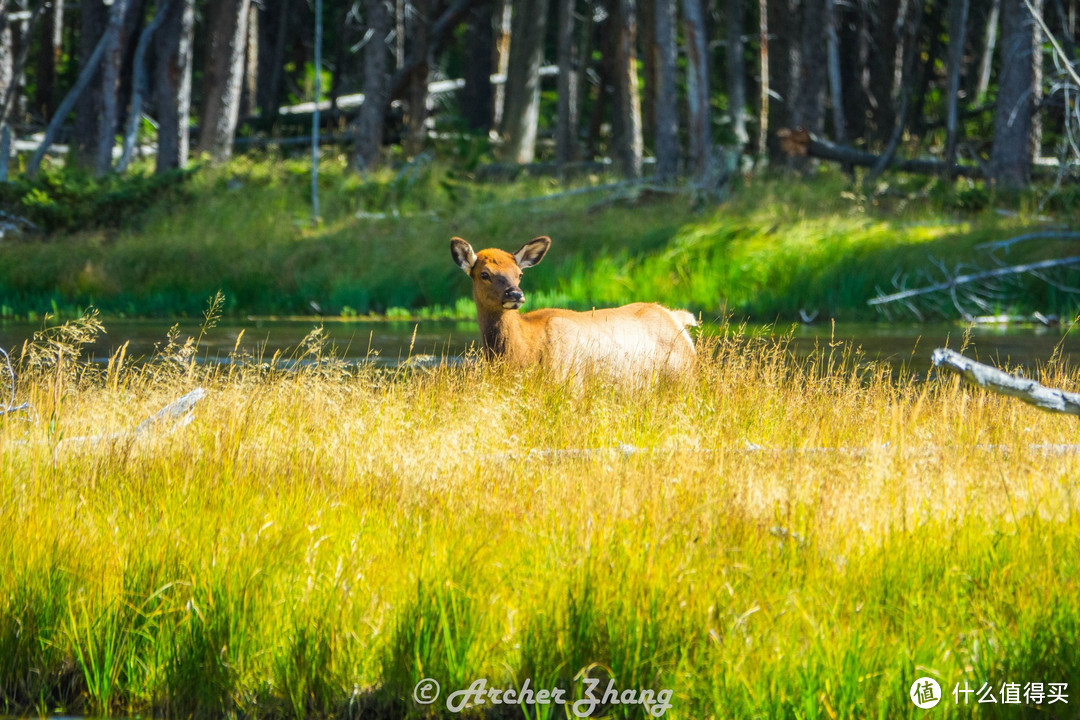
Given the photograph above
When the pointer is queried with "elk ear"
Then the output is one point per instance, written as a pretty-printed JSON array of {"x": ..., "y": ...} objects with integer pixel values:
[
  {"x": 463, "y": 254},
  {"x": 532, "y": 252}
]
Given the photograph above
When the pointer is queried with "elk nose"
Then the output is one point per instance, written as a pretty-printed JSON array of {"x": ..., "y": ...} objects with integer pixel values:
[{"x": 514, "y": 295}]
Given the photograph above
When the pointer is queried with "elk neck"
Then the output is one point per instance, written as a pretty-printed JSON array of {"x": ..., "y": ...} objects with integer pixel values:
[{"x": 502, "y": 333}]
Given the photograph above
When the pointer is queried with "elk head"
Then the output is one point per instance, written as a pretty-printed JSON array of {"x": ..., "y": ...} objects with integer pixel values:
[{"x": 496, "y": 274}]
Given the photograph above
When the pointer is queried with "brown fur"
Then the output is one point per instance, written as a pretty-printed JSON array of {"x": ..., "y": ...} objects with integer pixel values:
[{"x": 636, "y": 339}]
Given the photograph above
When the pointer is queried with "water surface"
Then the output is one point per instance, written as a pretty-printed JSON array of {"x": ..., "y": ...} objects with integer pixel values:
[{"x": 391, "y": 342}]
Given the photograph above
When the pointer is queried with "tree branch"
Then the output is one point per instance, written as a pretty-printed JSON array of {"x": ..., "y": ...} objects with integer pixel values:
[
  {"x": 955, "y": 282},
  {"x": 138, "y": 86},
  {"x": 994, "y": 380}
]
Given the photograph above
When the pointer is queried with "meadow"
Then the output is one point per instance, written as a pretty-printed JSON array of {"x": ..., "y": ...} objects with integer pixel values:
[{"x": 767, "y": 538}]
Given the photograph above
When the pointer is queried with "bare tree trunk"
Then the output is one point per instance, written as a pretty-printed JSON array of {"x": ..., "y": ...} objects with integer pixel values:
[
  {"x": 7, "y": 60},
  {"x": 89, "y": 70},
  {"x": 884, "y": 76},
  {"x": 7, "y": 79},
  {"x": 369, "y": 126},
  {"x": 783, "y": 23},
  {"x": 1010, "y": 157},
  {"x": 667, "y": 110},
  {"x": 626, "y": 122},
  {"x": 223, "y": 77},
  {"x": 853, "y": 25},
  {"x": 836, "y": 86},
  {"x": 697, "y": 88},
  {"x": 649, "y": 58},
  {"x": 140, "y": 85},
  {"x": 52, "y": 46},
  {"x": 172, "y": 84},
  {"x": 504, "y": 18},
  {"x": 958, "y": 13},
  {"x": 810, "y": 80},
  {"x": 275, "y": 31},
  {"x": 603, "y": 88},
  {"x": 934, "y": 21},
  {"x": 989, "y": 47},
  {"x": 399, "y": 34},
  {"x": 763, "y": 71},
  {"x": 907, "y": 76},
  {"x": 110, "y": 85},
  {"x": 416, "y": 107},
  {"x": 523, "y": 80},
  {"x": 477, "y": 97},
  {"x": 566, "y": 127},
  {"x": 250, "y": 91},
  {"x": 85, "y": 135},
  {"x": 736, "y": 69},
  {"x": 1037, "y": 84}
]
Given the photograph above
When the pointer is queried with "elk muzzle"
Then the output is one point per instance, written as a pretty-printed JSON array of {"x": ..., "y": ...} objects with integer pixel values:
[{"x": 513, "y": 298}]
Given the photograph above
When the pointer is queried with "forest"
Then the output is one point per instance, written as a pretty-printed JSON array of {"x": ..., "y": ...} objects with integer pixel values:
[{"x": 693, "y": 89}]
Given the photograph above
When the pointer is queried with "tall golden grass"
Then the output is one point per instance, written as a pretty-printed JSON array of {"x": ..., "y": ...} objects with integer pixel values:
[{"x": 767, "y": 538}]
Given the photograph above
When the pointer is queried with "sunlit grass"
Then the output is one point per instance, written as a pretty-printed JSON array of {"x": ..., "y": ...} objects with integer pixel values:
[
  {"x": 769, "y": 538},
  {"x": 774, "y": 246}
]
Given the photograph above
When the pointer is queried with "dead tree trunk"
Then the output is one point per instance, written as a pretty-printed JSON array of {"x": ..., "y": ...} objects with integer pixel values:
[
  {"x": 250, "y": 86},
  {"x": 522, "y": 112},
  {"x": 7, "y": 64},
  {"x": 172, "y": 84},
  {"x": 836, "y": 86},
  {"x": 84, "y": 141},
  {"x": 783, "y": 48},
  {"x": 763, "y": 72},
  {"x": 417, "y": 94},
  {"x": 110, "y": 87},
  {"x": 477, "y": 97},
  {"x": 566, "y": 127},
  {"x": 958, "y": 13},
  {"x": 223, "y": 77},
  {"x": 628, "y": 141},
  {"x": 885, "y": 66},
  {"x": 697, "y": 88},
  {"x": 809, "y": 74},
  {"x": 275, "y": 30},
  {"x": 52, "y": 46},
  {"x": 986, "y": 63},
  {"x": 504, "y": 17},
  {"x": 667, "y": 111},
  {"x": 140, "y": 85},
  {"x": 7, "y": 81},
  {"x": 1002, "y": 383},
  {"x": 736, "y": 69},
  {"x": 369, "y": 126},
  {"x": 1010, "y": 157}
]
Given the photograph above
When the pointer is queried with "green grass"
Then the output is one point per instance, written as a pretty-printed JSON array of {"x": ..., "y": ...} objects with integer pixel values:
[
  {"x": 774, "y": 247},
  {"x": 797, "y": 540}
]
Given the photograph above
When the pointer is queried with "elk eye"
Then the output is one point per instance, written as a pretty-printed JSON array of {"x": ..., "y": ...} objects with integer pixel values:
[{"x": 484, "y": 276}]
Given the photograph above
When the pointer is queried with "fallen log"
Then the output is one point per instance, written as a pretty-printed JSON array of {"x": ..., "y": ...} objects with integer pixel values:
[
  {"x": 994, "y": 380},
  {"x": 798, "y": 142},
  {"x": 174, "y": 415}
]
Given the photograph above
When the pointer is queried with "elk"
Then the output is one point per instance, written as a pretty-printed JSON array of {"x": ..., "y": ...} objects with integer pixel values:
[{"x": 639, "y": 340}]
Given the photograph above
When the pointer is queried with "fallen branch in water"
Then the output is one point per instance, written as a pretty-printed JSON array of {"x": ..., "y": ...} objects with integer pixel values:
[{"x": 994, "y": 380}]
